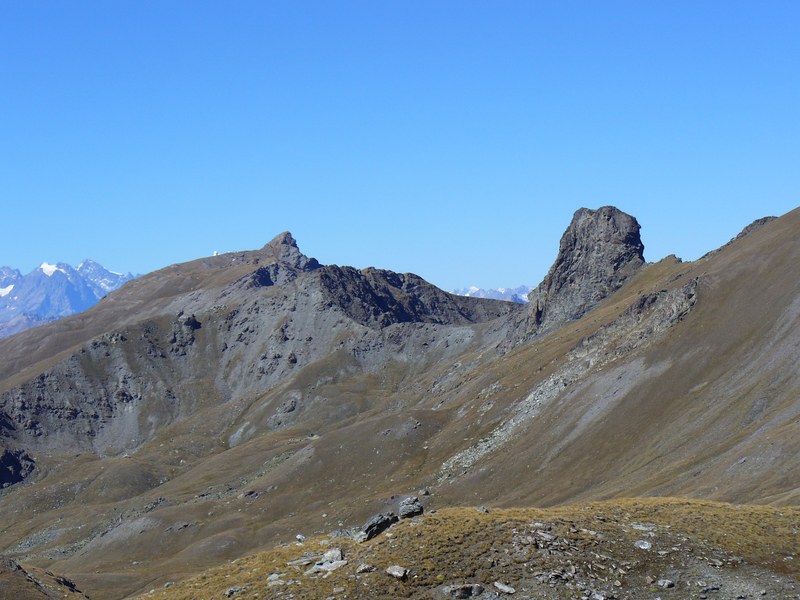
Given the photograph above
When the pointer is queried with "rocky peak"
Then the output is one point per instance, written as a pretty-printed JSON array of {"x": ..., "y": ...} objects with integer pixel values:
[
  {"x": 598, "y": 252},
  {"x": 284, "y": 247},
  {"x": 9, "y": 275}
]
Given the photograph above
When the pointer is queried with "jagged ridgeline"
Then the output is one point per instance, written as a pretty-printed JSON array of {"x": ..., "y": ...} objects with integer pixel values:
[{"x": 227, "y": 404}]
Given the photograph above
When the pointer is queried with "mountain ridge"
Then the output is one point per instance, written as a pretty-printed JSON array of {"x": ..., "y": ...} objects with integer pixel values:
[{"x": 192, "y": 400}]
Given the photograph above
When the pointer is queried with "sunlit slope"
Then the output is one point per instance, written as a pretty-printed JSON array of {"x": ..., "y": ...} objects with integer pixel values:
[
  {"x": 683, "y": 382},
  {"x": 626, "y": 550}
]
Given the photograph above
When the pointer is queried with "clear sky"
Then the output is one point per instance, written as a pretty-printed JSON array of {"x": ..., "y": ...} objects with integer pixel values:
[{"x": 449, "y": 139}]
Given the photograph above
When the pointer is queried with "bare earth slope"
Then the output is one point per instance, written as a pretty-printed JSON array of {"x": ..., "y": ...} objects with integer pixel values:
[{"x": 218, "y": 407}]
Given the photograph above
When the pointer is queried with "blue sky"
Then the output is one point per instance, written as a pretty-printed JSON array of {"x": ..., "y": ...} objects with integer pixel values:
[{"x": 450, "y": 139}]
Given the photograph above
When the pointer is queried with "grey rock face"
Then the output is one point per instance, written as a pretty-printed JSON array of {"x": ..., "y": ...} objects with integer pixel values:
[
  {"x": 378, "y": 524},
  {"x": 285, "y": 249},
  {"x": 378, "y": 298},
  {"x": 14, "y": 466},
  {"x": 598, "y": 252},
  {"x": 410, "y": 507},
  {"x": 289, "y": 263},
  {"x": 643, "y": 322}
]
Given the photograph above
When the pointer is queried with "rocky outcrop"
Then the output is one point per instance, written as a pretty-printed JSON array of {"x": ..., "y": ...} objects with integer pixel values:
[
  {"x": 600, "y": 250},
  {"x": 378, "y": 524},
  {"x": 288, "y": 264},
  {"x": 410, "y": 507},
  {"x": 15, "y": 466},
  {"x": 378, "y": 298},
  {"x": 284, "y": 247}
]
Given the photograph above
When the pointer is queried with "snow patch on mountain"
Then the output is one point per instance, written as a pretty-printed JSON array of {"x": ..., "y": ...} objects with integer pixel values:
[
  {"x": 49, "y": 269},
  {"x": 6, "y": 290}
]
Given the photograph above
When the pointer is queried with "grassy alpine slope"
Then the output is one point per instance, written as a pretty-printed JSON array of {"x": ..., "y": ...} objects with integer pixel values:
[{"x": 626, "y": 549}]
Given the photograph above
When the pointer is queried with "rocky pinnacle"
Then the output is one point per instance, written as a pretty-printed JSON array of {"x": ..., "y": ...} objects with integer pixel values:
[
  {"x": 598, "y": 252},
  {"x": 284, "y": 247}
]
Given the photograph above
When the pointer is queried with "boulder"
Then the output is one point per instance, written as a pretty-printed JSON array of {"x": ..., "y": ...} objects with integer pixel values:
[
  {"x": 397, "y": 572},
  {"x": 410, "y": 507},
  {"x": 378, "y": 524},
  {"x": 502, "y": 587}
]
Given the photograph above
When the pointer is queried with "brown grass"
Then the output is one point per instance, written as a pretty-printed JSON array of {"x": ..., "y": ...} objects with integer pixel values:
[{"x": 462, "y": 544}]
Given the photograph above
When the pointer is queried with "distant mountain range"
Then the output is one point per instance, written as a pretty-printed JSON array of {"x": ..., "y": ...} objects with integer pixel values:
[
  {"x": 52, "y": 291},
  {"x": 517, "y": 294}
]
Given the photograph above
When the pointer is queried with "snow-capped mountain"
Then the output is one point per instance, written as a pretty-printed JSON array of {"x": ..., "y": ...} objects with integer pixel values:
[
  {"x": 517, "y": 294},
  {"x": 100, "y": 278},
  {"x": 8, "y": 277},
  {"x": 52, "y": 291}
]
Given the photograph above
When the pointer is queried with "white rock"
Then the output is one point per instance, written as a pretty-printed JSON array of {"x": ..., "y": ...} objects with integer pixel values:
[
  {"x": 506, "y": 589},
  {"x": 332, "y": 555},
  {"x": 365, "y": 568},
  {"x": 397, "y": 571}
]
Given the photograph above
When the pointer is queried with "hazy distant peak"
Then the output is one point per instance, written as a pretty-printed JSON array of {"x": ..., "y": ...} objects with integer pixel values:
[
  {"x": 51, "y": 270},
  {"x": 87, "y": 264},
  {"x": 517, "y": 294},
  {"x": 52, "y": 291},
  {"x": 9, "y": 276}
]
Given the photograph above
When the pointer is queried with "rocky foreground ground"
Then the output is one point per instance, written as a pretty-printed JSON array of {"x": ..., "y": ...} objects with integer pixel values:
[{"x": 633, "y": 549}]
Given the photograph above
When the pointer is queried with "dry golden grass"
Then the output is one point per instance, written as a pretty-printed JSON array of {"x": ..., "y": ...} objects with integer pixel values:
[{"x": 463, "y": 544}]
